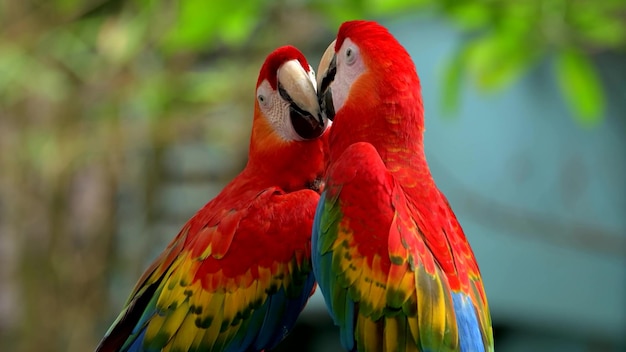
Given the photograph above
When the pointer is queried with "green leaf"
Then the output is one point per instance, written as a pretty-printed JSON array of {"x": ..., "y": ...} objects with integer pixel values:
[
  {"x": 580, "y": 85},
  {"x": 452, "y": 85},
  {"x": 195, "y": 25},
  {"x": 472, "y": 15},
  {"x": 199, "y": 22},
  {"x": 497, "y": 60},
  {"x": 382, "y": 7},
  {"x": 340, "y": 10},
  {"x": 242, "y": 20},
  {"x": 603, "y": 31}
]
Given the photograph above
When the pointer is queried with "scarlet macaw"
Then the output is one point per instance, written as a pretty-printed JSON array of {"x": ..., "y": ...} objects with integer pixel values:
[
  {"x": 238, "y": 274},
  {"x": 389, "y": 255}
]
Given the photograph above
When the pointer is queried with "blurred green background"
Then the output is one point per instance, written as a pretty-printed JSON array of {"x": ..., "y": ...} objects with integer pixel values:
[{"x": 118, "y": 119}]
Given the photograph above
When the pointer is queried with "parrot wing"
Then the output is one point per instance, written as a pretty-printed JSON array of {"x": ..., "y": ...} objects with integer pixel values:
[
  {"x": 234, "y": 279},
  {"x": 373, "y": 260}
]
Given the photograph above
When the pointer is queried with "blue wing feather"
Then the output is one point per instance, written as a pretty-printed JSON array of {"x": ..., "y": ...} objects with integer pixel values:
[
  {"x": 137, "y": 345},
  {"x": 467, "y": 321},
  {"x": 281, "y": 314}
]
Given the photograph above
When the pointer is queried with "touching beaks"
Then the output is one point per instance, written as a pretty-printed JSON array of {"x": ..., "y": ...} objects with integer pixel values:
[
  {"x": 326, "y": 74},
  {"x": 297, "y": 87}
]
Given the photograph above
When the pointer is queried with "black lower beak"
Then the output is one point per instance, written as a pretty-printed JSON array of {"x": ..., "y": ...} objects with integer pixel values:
[
  {"x": 324, "y": 92},
  {"x": 304, "y": 123},
  {"x": 326, "y": 104}
]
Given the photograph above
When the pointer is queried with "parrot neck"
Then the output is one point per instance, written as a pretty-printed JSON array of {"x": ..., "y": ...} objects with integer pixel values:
[
  {"x": 395, "y": 131},
  {"x": 290, "y": 165},
  {"x": 390, "y": 116}
]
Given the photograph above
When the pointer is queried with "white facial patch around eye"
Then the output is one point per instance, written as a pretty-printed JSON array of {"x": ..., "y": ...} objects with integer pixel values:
[
  {"x": 276, "y": 110},
  {"x": 350, "y": 66}
]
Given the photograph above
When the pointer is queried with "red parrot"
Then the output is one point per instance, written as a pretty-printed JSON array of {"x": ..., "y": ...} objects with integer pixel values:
[
  {"x": 238, "y": 274},
  {"x": 389, "y": 255}
]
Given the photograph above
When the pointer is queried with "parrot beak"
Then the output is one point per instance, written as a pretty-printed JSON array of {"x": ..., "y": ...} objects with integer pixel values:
[
  {"x": 326, "y": 74},
  {"x": 297, "y": 87}
]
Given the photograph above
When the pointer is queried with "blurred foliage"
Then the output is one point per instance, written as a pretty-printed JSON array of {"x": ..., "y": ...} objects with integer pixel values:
[
  {"x": 92, "y": 91},
  {"x": 505, "y": 38}
]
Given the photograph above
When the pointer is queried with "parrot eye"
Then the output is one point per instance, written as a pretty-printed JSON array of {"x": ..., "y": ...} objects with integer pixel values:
[
  {"x": 262, "y": 97},
  {"x": 350, "y": 56}
]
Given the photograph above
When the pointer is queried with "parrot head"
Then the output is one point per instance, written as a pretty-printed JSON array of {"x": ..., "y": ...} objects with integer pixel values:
[
  {"x": 364, "y": 68},
  {"x": 286, "y": 96},
  {"x": 368, "y": 87},
  {"x": 288, "y": 120}
]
